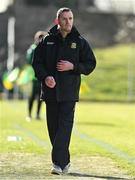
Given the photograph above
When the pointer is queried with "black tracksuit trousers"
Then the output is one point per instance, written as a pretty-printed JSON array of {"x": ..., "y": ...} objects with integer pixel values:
[
  {"x": 60, "y": 117},
  {"x": 36, "y": 88}
]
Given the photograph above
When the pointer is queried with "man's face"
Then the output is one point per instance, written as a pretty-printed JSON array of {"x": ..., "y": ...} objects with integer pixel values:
[{"x": 65, "y": 21}]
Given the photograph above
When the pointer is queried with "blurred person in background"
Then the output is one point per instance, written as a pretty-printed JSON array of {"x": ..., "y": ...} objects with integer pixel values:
[
  {"x": 36, "y": 85},
  {"x": 59, "y": 60},
  {"x": 1, "y": 88}
]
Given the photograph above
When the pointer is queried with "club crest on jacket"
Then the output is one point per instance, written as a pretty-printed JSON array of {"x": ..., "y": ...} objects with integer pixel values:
[{"x": 73, "y": 45}]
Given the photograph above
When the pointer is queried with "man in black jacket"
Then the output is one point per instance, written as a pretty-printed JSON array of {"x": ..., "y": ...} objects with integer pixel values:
[{"x": 59, "y": 60}]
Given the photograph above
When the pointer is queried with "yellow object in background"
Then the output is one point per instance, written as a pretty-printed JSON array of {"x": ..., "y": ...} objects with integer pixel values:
[
  {"x": 84, "y": 88},
  {"x": 8, "y": 84}
]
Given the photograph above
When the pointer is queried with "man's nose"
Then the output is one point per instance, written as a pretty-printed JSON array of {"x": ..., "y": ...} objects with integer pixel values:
[{"x": 68, "y": 21}]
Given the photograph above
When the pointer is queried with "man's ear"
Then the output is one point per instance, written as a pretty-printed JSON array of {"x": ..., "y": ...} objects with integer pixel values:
[{"x": 56, "y": 21}]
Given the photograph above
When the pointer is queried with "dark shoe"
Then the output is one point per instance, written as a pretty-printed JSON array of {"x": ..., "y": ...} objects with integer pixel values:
[
  {"x": 56, "y": 170},
  {"x": 38, "y": 117}
]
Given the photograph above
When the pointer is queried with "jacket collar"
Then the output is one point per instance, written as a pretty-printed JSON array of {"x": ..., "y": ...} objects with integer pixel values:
[{"x": 54, "y": 31}]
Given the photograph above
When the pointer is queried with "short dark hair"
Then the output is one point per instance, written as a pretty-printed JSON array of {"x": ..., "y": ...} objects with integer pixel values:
[{"x": 61, "y": 10}]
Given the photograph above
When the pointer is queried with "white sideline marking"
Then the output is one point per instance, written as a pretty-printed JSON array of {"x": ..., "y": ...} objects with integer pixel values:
[
  {"x": 106, "y": 146},
  {"x": 33, "y": 136}
]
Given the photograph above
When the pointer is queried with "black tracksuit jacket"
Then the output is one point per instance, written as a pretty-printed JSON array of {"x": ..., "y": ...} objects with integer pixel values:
[{"x": 54, "y": 47}]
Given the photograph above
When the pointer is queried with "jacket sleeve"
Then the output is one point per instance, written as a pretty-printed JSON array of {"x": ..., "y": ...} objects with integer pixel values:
[
  {"x": 38, "y": 62},
  {"x": 87, "y": 60}
]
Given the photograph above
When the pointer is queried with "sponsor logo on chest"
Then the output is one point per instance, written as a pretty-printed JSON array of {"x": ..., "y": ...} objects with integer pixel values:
[{"x": 50, "y": 43}]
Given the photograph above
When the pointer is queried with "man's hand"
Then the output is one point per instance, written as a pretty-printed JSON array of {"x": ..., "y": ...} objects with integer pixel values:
[
  {"x": 64, "y": 65},
  {"x": 50, "y": 81}
]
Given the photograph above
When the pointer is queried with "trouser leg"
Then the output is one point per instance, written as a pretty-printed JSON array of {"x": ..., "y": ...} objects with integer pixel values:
[
  {"x": 60, "y": 123},
  {"x": 60, "y": 151},
  {"x": 30, "y": 103},
  {"x": 39, "y": 102},
  {"x": 52, "y": 119}
]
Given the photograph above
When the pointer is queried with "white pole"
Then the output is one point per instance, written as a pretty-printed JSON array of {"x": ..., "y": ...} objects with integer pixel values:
[
  {"x": 11, "y": 43},
  {"x": 134, "y": 7}
]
